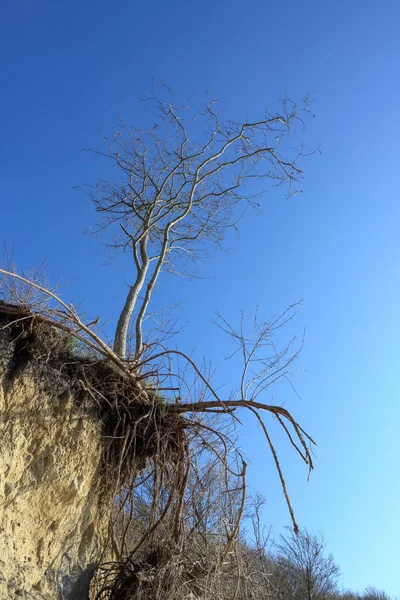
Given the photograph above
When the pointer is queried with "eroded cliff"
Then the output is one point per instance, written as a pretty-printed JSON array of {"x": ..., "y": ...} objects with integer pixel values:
[
  {"x": 75, "y": 431},
  {"x": 52, "y": 503}
]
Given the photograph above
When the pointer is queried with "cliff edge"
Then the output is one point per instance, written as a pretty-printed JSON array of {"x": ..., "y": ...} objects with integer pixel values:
[{"x": 52, "y": 516}]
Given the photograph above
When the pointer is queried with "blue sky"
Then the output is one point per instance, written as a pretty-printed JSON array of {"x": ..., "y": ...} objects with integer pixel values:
[{"x": 70, "y": 68}]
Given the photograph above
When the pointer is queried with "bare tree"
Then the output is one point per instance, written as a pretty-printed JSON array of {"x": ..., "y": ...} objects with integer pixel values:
[
  {"x": 306, "y": 571},
  {"x": 373, "y": 593},
  {"x": 369, "y": 593},
  {"x": 181, "y": 185}
]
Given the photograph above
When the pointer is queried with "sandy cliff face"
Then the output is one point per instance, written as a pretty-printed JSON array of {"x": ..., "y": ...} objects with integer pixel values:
[{"x": 52, "y": 517}]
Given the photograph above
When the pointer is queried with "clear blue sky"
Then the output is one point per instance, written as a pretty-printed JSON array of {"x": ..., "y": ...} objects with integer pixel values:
[{"x": 70, "y": 68}]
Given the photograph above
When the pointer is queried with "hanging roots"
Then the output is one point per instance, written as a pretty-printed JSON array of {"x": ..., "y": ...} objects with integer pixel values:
[{"x": 171, "y": 469}]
